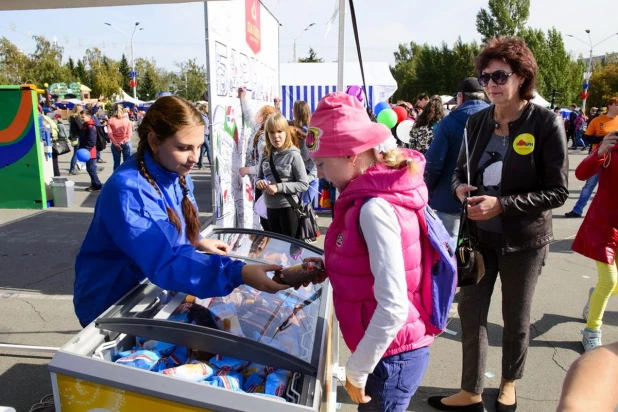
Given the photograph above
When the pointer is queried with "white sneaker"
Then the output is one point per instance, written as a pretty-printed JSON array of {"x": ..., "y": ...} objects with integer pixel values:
[
  {"x": 587, "y": 307},
  {"x": 591, "y": 339}
]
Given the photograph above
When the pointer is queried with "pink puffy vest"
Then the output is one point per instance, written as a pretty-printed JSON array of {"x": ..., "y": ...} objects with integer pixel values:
[{"x": 347, "y": 257}]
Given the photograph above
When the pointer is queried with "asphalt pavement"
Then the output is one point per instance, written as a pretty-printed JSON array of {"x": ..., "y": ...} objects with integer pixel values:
[{"x": 37, "y": 253}]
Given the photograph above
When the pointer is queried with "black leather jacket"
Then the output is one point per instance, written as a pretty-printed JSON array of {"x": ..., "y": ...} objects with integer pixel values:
[{"x": 533, "y": 183}]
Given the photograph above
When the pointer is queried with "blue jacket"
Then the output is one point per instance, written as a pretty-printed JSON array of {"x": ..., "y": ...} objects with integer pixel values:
[
  {"x": 131, "y": 238},
  {"x": 442, "y": 156}
]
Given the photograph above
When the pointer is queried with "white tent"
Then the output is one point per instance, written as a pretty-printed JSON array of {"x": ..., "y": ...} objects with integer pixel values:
[
  {"x": 538, "y": 99},
  {"x": 312, "y": 81}
]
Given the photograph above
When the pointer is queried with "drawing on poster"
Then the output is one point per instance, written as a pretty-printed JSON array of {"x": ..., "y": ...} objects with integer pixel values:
[{"x": 234, "y": 64}]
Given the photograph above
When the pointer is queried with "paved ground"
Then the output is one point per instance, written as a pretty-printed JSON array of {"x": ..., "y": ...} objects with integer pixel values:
[{"x": 37, "y": 251}]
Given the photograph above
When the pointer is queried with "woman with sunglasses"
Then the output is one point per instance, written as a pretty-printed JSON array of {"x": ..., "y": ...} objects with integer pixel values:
[{"x": 518, "y": 172}]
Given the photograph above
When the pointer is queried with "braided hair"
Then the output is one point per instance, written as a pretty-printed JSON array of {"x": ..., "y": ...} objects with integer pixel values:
[{"x": 163, "y": 119}]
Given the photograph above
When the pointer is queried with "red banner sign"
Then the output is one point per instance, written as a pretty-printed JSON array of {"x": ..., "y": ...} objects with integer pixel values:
[{"x": 252, "y": 25}]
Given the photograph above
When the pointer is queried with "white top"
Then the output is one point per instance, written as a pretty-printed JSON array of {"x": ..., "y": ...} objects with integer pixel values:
[{"x": 380, "y": 229}]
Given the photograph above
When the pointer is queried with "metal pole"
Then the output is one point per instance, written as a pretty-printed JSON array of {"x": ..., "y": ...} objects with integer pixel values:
[
  {"x": 295, "y": 61},
  {"x": 341, "y": 54},
  {"x": 133, "y": 65},
  {"x": 27, "y": 348},
  {"x": 587, "y": 81}
]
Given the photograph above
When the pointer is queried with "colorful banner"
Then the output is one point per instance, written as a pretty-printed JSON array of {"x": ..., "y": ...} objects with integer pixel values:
[{"x": 243, "y": 50}]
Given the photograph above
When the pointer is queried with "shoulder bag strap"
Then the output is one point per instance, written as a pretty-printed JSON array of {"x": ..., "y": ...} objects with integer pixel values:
[{"x": 289, "y": 197}]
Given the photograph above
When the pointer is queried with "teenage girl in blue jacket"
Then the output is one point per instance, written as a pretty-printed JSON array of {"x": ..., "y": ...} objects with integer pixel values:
[{"x": 146, "y": 223}]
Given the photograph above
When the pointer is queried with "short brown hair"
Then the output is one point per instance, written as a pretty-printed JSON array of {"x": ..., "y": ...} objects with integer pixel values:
[
  {"x": 611, "y": 101},
  {"x": 515, "y": 52}
]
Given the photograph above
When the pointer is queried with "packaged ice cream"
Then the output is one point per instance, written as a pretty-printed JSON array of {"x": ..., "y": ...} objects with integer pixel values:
[
  {"x": 254, "y": 384},
  {"x": 277, "y": 383},
  {"x": 195, "y": 371},
  {"x": 163, "y": 348},
  {"x": 141, "y": 359},
  {"x": 226, "y": 318},
  {"x": 227, "y": 364},
  {"x": 261, "y": 370},
  {"x": 179, "y": 356},
  {"x": 296, "y": 275},
  {"x": 232, "y": 381}
]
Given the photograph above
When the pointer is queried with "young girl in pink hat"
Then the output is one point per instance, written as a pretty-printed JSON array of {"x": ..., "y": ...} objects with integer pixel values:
[{"x": 373, "y": 252}]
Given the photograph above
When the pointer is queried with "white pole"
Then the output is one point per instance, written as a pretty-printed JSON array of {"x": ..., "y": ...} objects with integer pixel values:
[
  {"x": 294, "y": 59},
  {"x": 341, "y": 57},
  {"x": 587, "y": 81},
  {"x": 133, "y": 65}
]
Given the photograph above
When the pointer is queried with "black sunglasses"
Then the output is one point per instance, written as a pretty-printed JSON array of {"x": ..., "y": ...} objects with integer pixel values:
[{"x": 499, "y": 77}]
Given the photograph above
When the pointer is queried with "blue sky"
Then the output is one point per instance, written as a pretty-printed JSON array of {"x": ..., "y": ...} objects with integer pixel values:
[{"x": 176, "y": 32}]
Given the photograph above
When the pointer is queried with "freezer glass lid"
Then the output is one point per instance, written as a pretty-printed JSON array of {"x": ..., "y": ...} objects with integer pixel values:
[{"x": 278, "y": 330}]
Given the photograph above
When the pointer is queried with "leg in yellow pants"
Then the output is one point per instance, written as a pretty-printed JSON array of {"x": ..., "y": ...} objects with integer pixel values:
[{"x": 607, "y": 287}]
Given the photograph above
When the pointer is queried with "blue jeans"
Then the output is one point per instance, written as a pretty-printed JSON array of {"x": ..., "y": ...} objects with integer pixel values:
[
  {"x": 125, "y": 150},
  {"x": 74, "y": 158},
  {"x": 91, "y": 167},
  {"x": 451, "y": 224},
  {"x": 579, "y": 139},
  {"x": 394, "y": 380},
  {"x": 204, "y": 149},
  {"x": 585, "y": 194}
]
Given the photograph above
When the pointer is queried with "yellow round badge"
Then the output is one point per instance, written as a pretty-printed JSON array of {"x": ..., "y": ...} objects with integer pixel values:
[{"x": 524, "y": 144}]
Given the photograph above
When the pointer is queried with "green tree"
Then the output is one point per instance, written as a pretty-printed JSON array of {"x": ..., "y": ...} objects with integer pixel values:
[
  {"x": 80, "y": 72},
  {"x": 603, "y": 85},
  {"x": 46, "y": 62},
  {"x": 404, "y": 71},
  {"x": 312, "y": 58},
  {"x": 125, "y": 72},
  {"x": 103, "y": 75},
  {"x": 14, "y": 64},
  {"x": 147, "y": 87},
  {"x": 192, "y": 80},
  {"x": 504, "y": 18}
]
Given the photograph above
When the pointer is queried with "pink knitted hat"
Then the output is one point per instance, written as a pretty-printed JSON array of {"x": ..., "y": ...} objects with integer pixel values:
[{"x": 340, "y": 127}]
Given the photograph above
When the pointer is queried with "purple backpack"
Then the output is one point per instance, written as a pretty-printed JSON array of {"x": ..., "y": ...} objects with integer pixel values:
[{"x": 440, "y": 275}]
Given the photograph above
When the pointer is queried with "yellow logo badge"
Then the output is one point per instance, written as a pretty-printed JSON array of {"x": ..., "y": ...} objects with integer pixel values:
[{"x": 524, "y": 144}]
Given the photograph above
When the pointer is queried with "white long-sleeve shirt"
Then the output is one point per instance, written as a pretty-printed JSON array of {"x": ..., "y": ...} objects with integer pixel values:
[{"x": 382, "y": 234}]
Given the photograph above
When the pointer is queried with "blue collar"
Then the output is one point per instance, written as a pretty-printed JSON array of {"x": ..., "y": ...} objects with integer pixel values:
[{"x": 158, "y": 172}]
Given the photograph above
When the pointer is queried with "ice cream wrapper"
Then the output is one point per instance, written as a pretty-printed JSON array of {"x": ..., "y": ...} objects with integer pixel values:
[
  {"x": 227, "y": 364},
  {"x": 254, "y": 384},
  {"x": 195, "y": 371},
  {"x": 141, "y": 359},
  {"x": 277, "y": 383},
  {"x": 232, "y": 381}
]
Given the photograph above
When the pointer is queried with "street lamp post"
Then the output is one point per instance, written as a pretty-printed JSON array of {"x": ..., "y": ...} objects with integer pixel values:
[
  {"x": 296, "y": 38},
  {"x": 132, "y": 55},
  {"x": 589, "y": 72}
]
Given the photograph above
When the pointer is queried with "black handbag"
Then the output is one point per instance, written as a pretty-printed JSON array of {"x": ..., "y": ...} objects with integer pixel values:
[
  {"x": 308, "y": 225},
  {"x": 307, "y": 219},
  {"x": 470, "y": 262},
  {"x": 60, "y": 147}
]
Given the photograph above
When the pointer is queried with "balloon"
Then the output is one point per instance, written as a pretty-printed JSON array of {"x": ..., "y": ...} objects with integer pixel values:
[
  {"x": 585, "y": 85},
  {"x": 381, "y": 106},
  {"x": 83, "y": 155},
  {"x": 403, "y": 130},
  {"x": 402, "y": 113},
  {"x": 388, "y": 117}
]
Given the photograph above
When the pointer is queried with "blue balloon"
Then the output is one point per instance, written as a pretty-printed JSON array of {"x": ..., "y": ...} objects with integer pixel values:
[
  {"x": 83, "y": 155},
  {"x": 381, "y": 106}
]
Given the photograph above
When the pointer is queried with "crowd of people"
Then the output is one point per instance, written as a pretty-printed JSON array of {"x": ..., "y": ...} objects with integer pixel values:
[{"x": 503, "y": 157}]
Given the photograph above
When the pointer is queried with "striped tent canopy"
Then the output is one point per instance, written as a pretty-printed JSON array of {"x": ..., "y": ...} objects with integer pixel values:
[{"x": 312, "y": 81}]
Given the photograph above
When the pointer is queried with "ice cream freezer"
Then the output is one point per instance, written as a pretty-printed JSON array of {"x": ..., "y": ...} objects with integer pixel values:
[{"x": 255, "y": 351}]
